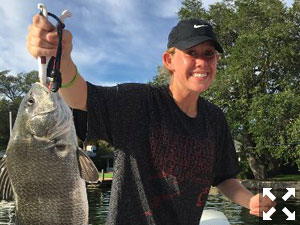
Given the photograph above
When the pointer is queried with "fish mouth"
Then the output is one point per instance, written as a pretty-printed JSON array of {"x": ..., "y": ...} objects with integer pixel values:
[
  {"x": 44, "y": 113},
  {"x": 39, "y": 85},
  {"x": 40, "y": 138}
]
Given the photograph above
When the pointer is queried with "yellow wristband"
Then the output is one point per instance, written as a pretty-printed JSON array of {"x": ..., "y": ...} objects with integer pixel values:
[{"x": 70, "y": 84}]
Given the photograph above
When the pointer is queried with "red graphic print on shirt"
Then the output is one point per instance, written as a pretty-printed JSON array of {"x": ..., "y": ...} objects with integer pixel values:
[{"x": 181, "y": 161}]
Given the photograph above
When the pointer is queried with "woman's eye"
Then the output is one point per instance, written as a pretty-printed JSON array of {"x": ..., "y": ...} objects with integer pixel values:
[
  {"x": 209, "y": 54},
  {"x": 205, "y": 54},
  {"x": 192, "y": 53}
]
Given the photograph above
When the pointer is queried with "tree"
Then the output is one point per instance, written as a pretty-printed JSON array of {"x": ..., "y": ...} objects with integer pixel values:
[
  {"x": 4, "y": 128},
  {"x": 162, "y": 77},
  {"x": 258, "y": 82},
  {"x": 14, "y": 87},
  {"x": 12, "y": 90},
  {"x": 192, "y": 8}
]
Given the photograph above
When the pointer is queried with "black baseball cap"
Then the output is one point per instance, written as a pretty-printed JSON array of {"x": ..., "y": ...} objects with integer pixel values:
[{"x": 191, "y": 32}]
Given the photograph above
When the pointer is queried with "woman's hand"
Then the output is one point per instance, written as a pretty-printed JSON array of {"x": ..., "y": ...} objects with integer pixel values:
[
  {"x": 258, "y": 204},
  {"x": 42, "y": 39}
]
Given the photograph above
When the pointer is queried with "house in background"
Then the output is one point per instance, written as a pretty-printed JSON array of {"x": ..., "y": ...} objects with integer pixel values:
[
  {"x": 109, "y": 161},
  {"x": 91, "y": 150}
]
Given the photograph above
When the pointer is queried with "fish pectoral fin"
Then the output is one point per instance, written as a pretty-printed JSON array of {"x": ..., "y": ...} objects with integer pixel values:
[
  {"x": 87, "y": 168},
  {"x": 6, "y": 191}
]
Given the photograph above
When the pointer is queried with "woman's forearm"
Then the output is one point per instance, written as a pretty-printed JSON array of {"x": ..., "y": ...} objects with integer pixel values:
[{"x": 236, "y": 192}]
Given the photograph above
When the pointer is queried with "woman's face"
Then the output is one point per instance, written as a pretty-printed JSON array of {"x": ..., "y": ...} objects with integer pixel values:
[{"x": 193, "y": 69}]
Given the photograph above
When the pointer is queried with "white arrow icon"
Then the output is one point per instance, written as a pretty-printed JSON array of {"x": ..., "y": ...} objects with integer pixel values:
[
  {"x": 267, "y": 191},
  {"x": 267, "y": 216},
  {"x": 291, "y": 216},
  {"x": 290, "y": 192}
]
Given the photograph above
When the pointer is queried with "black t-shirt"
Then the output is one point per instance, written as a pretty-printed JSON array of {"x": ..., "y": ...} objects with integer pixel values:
[{"x": 165, "y": 161}]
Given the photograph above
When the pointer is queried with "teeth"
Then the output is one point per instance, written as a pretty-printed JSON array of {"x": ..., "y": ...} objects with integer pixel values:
[{"x": 199, "y": 74}]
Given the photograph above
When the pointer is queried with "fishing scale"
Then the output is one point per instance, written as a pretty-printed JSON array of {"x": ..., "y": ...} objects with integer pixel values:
[{"x": 49, "y": 67}]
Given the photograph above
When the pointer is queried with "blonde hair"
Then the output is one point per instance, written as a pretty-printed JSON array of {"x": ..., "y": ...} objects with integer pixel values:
[
  {"x": 164, "y": 69},
  {"x": 171, "y": 50}
]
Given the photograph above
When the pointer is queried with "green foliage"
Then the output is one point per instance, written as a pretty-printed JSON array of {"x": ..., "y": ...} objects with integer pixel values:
[
  {"x": 192, "y": 8},
  {"x": 290, "y": 177},
  {"x": 104, "y": 146},
  {"x": 12, "y": 90},
  {"x": 258, "y": 79},
  {"x": 293, "y": 135},
  {"x": 14, "y": 87},
  {"x": 162, "y": 77},
  {"x": 4, "y": 128}
]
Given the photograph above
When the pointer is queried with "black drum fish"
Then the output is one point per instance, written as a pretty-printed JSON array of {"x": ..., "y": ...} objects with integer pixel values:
[{"x": 44, "y": 170}]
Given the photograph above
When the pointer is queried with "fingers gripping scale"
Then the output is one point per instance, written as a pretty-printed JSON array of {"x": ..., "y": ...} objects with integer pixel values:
[{"x": 43, "y": 61}]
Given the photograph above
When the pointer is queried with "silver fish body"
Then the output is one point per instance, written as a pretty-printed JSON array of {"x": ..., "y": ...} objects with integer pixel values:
[{"x": 44, "y": 165}]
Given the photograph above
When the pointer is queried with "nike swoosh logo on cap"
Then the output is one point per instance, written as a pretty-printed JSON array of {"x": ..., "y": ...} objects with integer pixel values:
[{"x": 198, "y": 26}]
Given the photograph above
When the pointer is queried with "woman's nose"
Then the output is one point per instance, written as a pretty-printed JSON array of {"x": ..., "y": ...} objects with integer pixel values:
[{"x": 201, "y": 62}]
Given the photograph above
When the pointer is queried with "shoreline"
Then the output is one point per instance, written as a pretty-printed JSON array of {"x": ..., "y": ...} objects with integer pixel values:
[
  {"x": 256, "y": 185},
  {"x": 275, "y": 185}
]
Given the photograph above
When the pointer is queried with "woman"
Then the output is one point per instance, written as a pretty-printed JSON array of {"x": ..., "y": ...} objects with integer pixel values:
[{"x": 172, "y": 144}]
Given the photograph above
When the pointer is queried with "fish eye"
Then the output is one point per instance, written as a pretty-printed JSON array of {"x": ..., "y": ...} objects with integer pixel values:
[{"x": 30, "y": 101}]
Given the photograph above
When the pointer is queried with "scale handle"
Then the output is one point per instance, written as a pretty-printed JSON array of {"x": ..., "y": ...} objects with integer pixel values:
[{"x": 43, "y": 60}]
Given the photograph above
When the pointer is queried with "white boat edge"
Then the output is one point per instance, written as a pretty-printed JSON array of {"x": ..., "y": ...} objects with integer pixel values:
[{"x": 213, "y": 217}]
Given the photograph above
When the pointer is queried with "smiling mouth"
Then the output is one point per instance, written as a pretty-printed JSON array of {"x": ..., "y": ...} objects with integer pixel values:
[{"x": 200, "y": 75}]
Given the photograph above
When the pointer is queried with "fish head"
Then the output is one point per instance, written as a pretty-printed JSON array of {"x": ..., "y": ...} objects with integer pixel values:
[{"x": 42, "y": 113}]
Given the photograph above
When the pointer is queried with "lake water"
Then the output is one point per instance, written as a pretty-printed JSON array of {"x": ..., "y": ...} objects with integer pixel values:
[{"x": 99, "y": 201}]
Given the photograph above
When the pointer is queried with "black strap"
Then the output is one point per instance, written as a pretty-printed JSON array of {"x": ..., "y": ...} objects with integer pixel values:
[{"x": 53, "y": 69}]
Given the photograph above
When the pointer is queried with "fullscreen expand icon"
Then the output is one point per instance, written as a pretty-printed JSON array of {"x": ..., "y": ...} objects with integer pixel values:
[{"x": 290, "y": 192}]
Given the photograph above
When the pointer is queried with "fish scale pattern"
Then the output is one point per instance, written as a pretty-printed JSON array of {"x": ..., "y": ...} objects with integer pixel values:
[{"x": 42, "y": 163}]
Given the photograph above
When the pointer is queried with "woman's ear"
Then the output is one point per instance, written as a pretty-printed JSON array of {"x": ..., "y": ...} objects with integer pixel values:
[{"x": 167, "y": 61}]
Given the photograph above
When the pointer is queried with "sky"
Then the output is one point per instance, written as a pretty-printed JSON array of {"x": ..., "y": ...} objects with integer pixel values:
[{"x": 114, "y": 41}]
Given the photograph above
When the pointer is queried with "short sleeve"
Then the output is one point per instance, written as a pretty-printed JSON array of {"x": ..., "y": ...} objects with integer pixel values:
[
  {"x": 99, "y": 120},
  {"x": 112, "y": 112},
  {"x": 226, "y": 166}
]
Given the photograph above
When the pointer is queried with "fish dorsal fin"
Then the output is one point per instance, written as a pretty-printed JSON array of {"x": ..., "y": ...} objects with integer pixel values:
[
  {"x": 6, "y": 192},
  {"x": 87, "y": 168}
]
